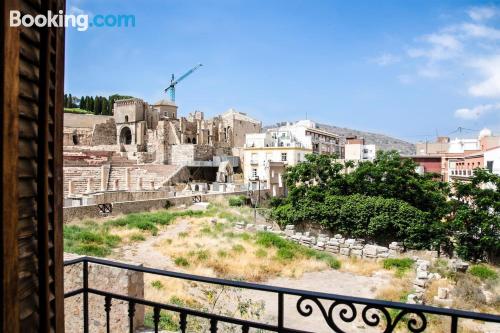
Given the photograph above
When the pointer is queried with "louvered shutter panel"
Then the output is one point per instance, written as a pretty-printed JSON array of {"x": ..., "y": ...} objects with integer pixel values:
[{"x": 32, "y": 91}]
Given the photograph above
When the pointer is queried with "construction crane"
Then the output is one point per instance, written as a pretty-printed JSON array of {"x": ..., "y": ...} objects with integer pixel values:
[{"x": 173, "y": 81}]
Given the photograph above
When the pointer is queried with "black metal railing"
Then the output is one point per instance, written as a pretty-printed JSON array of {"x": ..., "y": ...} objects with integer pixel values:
[{"x": 340, "y": 309}]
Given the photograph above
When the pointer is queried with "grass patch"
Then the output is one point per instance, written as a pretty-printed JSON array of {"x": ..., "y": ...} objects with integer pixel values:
[
  {"x": 288, "y": 251},
  {"x": 181, "y": 261},
  {"x": 77, "y": 110},
  {"x": 400, "y": 265},
  {"x": 157, "y": 284},
  {"x": 137, "y": 237},
  {"x": 149, "y": 221},
  {"x": 483, "y": 272},
  {"x": 222, "y": 253},
  {"x": 89, "y": 239},
  {"x": 237, "y": 201},
  {"x": 168, "y": 321},
  {"x": 238, "y": 248},
  {"x": 183, "y": 234},
  {"x": 261, "y": 253}
]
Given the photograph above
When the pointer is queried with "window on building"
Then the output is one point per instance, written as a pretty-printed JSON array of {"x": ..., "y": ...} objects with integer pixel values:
[
  {"x": 284, "y": 157},
  {"x": 126, "y": 119},
  {"x": 489, "y": 166}
]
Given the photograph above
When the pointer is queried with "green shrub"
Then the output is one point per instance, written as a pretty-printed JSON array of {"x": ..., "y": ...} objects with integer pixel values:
[
  {"x": 483, "y": 272},
  {"x": 400, "y": 265},
  {"x": 237, "y": 201},
  {"x": 181, "y": 261},
  {"x": 157, "y": 284},
  {"x": 168, "y": 321}
]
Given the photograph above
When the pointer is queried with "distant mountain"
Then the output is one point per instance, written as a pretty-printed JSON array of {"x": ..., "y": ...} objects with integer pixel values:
[{"x": 381, "y": 141}]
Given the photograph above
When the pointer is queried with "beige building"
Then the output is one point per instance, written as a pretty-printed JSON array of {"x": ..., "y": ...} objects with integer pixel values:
[
  {"x": 355, "y": 149},
  {"x": 265, "y": 159}
]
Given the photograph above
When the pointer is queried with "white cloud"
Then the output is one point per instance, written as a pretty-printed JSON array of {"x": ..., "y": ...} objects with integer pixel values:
[
  {"x": 476, "y": 112},
  {"x": 441, "y": 46},
  {"x": 480, "y": 31},
  {"x": 482, "y": 13},
  {"x": 490, "y": 86},
  {"x": 386, "y": 59}
]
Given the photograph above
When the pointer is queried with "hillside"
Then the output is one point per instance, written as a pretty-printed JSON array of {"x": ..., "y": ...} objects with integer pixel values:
[{"x": 382, "y": 142}]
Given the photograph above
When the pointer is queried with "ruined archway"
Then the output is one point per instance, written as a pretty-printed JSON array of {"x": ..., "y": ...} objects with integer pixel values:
[{"x": 126, "y": 136}]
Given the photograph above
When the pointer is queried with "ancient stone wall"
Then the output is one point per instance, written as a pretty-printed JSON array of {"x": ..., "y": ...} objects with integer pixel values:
[
  {"x": 92, "y": 211},
  {"x": 104, "y": 133},
  {"x": 182, "y": 154},
  {"x": 115, "y": 280},
  {"x": 76, "y": 120},
  {"x": 77, "y": 136},
  {"x": 334, "y": 245}
]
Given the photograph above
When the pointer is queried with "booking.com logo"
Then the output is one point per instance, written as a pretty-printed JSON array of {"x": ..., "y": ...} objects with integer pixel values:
[{"x": 81, "y": 22}]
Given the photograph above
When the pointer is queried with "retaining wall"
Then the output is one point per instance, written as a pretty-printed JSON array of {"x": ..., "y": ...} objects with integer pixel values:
[
  {"x": 111, "y": 279},
  {"x": 127, "y": 207}
]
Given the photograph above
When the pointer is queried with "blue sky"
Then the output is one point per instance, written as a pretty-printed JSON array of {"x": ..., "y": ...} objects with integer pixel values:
[{"x": 409, "y": 69}]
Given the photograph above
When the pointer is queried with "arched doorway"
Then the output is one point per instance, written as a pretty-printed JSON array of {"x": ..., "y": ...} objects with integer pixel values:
[{"x": 126, "y": 136}]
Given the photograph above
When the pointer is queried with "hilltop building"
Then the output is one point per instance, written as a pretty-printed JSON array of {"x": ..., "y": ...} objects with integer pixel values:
[{"x": 151, "y": 147}]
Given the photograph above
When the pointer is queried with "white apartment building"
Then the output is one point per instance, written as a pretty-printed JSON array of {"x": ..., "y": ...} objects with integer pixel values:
[
  {"x": 492, "y": 160},
  {"x": 265, "y": 157},
  {"x": 356, "y": 150},
  {"x": 307, "y": 133}
]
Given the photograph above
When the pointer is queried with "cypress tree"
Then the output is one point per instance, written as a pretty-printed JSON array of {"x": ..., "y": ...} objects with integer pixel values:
[
  {"x": 82, "y": 103},
  {"x": 65, "y": 100},
  {"x": 97, "y": 105},
  {"x": 91, "y": 104},
  {"x": 104, "y": 106},
  {"x": 70, "y": 101}
]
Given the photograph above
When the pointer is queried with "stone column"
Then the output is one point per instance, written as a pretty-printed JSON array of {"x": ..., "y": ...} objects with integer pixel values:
[
  {"x": 89, "y": 185},
  {"x": 127, "y": 179},
  {"x": 70, "y": 187}
]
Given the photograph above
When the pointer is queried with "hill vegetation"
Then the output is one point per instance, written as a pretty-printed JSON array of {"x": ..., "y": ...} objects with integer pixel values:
[{"x": 98, "y": 105}]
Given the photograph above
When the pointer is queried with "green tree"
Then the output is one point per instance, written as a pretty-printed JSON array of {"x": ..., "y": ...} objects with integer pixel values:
[
  {"x": 82, "y": 103},
  {"x": 391, "y": 176},
  {"x": 104, "y": 106},
  {"x": 476, "y": 216}
]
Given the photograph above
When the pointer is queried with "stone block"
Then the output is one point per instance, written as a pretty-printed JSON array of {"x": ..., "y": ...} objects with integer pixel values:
[
  {"x": 357, "y": 253},
  {"x": 420, "y": 282},
  {"x": 370, "y": 250},
  {"x": 289, "y": 227},
  {"x": 345, "y": 251},
  {"x": 338, "y": 236},
  {"x": 350, "y": 241}
]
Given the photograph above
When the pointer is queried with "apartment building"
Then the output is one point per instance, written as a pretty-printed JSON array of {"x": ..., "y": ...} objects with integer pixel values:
[
  {"x": 356, "y": 150},
  {"x": 459, "y": 157},
  {"x": 265, "y": 157}
]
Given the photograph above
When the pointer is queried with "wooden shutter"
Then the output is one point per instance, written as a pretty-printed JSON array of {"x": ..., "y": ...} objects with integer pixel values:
[{"x": 31, "y": 99}]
